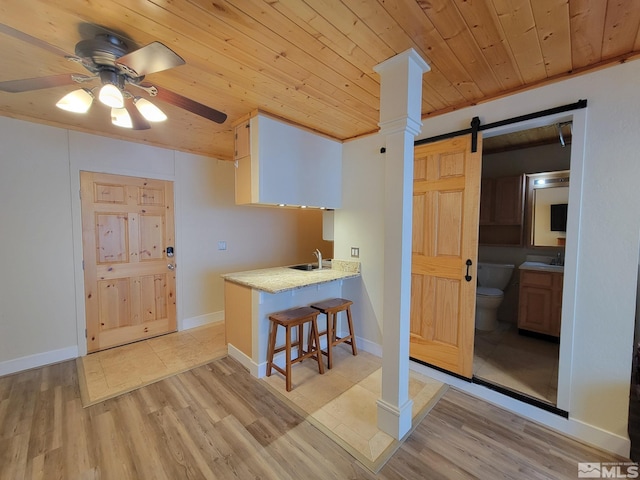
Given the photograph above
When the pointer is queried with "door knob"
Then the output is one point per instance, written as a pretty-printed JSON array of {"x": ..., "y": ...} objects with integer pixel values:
[{"x": 171, "y": 266}]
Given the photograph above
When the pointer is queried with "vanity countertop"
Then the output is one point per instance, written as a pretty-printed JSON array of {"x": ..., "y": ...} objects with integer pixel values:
[
  {"x": 545, "y": 267},
  {"x": 281, "y": 279}
]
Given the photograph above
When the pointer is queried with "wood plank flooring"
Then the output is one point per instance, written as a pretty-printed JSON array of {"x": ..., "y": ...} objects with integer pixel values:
[{"x": 216, "y": 421}]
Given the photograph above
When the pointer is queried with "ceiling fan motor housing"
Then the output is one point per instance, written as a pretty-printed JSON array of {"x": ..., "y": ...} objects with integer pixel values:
[{"x": 101, "y": 51}]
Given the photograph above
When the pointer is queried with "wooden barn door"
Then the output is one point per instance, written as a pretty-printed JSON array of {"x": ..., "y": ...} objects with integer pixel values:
[
  {"x": 129, "y": 281},
  {"x": 446, "y": 200}
]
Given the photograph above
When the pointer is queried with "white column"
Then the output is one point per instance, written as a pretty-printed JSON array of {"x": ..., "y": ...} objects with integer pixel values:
[{"x": 400, "y": 122}]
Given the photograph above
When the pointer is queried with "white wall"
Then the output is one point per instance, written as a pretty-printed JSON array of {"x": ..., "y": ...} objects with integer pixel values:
[
  {"x": 360, "y": 223},
  {"x": 37, "y": 312},
  {"x": 256, "y": 237},
  {"x": 606, "y": 259},
  {"x": 41, "y": 293}
]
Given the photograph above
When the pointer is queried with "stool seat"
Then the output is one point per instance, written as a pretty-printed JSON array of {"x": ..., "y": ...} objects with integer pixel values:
[
  {"x": 331, "y": 308},
  {"x": 292, "y": 315},
  {"x": 289, "y": 319}
]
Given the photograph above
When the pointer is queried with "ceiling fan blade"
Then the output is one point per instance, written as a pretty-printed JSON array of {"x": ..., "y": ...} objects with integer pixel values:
[
  {"x": 28, "y": 84},
  {"x": 188, "y": 104},
  {"x": 137, "y": 120},
  {"x": 151, "y": 58},
  {"x": 7, "y": 30}
]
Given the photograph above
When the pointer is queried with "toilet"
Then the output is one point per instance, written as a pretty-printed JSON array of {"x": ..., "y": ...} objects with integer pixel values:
[{"x": 492, "y": 280}]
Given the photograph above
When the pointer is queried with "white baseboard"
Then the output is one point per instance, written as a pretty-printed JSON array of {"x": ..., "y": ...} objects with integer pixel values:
[
  {"x": 367, "y": 345},
  {"x": 259, "y": 370},
  {"x": 201, "y": 320},
  {"x": 244, "y": 359},
  {"x": 37, "y": 360}
]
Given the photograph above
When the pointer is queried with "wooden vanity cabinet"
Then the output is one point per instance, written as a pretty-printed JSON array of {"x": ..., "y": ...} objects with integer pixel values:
[{"x": 540, "y": 303}]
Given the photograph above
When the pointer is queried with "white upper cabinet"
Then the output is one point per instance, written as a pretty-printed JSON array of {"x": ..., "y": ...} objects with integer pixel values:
[{"x": 279, "y": 163}]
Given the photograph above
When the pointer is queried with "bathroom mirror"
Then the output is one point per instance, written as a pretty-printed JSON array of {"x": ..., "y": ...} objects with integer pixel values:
[{"x": 546, "y": 212}]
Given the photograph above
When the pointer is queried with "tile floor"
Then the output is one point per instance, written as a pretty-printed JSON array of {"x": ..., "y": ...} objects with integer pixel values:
[
  {"x": 113, "y": 372},
  {"x": 343, "y": 402},
  {"x": 527, "y": 365}
]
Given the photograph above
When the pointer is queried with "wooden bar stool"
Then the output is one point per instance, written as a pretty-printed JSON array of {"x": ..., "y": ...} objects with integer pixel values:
[
  {"x": 331, "y": 308},
  {"x": 294, "y": 317}
]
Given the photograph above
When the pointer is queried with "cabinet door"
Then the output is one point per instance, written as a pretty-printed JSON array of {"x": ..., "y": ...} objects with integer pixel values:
[
  {"x": 535, "y": 309},
  {"x": 486, "y": 201},
  {"x": 508, "y": 201},
  {"x": 242, "y": 140},
  {"x": 243, "y": 179},
  {"x": 242, "y": 156}
]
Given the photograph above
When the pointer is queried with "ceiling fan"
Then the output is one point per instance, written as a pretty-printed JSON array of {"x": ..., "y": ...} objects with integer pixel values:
[{"x": 110, "y": 61}]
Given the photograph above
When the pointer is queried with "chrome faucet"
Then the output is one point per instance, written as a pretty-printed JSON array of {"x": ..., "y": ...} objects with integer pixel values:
[
  {"x": 558, "y": 260},
  {"x": 318, "y": 255}
]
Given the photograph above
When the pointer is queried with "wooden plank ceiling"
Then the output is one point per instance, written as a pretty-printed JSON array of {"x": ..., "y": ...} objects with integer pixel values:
[{"x": 310, "y": 62}]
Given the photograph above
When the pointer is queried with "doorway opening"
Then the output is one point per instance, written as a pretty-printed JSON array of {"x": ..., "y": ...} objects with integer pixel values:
[
  {"x": 522, "y": 240},
  {"x": 565, "y": 308}
]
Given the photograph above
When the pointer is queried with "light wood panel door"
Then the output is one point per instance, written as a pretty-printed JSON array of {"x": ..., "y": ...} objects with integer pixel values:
[
  {"x": 129, "y": 281},
  {"x": 446, "y": 199}
]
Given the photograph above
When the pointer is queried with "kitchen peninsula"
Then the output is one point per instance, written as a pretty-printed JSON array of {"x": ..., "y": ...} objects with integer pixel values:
[{"x": 251, "y": 296}]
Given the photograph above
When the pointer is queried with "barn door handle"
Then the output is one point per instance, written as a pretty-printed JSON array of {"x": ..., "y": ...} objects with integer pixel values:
[{"x": 467, "y": 277}]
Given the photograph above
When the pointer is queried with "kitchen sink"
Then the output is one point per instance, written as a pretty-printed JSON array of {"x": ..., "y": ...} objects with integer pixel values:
[{"x": 304, "y": 266}]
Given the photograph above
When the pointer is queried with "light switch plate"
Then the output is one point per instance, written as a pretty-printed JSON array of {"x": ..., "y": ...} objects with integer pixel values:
[
  {"x": 355, "y": 252},
  {"x": 222, "y": 245}
]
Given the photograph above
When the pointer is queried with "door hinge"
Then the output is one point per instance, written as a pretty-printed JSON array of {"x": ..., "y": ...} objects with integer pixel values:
[
  {"x": 83, "y": 265},
  {"x": 85, "y": 333}
]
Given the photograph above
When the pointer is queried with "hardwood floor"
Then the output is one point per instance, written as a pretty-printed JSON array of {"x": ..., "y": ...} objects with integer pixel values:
[{"x": 216, "y": 421}]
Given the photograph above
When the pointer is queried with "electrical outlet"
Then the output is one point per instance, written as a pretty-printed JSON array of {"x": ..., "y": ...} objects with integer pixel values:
[
  {"x": 222, "y": 245},
  {"x": 355, "y": 252}
]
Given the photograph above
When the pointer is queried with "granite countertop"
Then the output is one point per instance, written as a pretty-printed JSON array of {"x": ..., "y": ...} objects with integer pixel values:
[{"x": 281, "y": 279}]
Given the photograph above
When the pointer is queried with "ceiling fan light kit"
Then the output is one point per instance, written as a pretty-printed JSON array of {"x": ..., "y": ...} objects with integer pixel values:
[
  {"x": 108, "y": 58},
  {"x": 111, "y": 96},
  {"x": 149, "y": 110},
  {"x": 121, "y": 118},
  {"x": 78, "y": 101}
]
